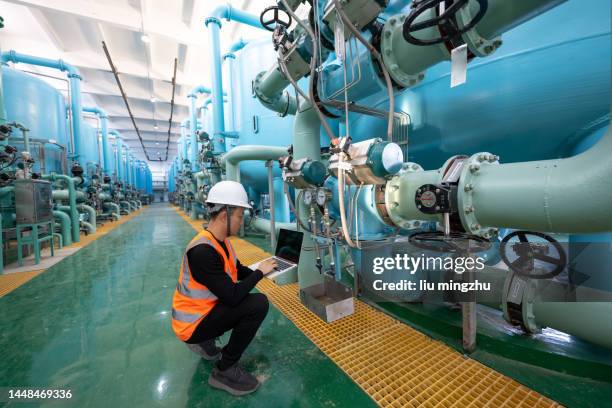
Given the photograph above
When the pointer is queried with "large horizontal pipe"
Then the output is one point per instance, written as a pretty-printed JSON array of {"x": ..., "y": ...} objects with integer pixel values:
[
  {"x": 233, "y": 158},
  {"x": 564, "y": 195}
]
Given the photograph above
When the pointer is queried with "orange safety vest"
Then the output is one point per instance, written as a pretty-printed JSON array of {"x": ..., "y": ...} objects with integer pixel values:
[{"x": 193, "y": 301}]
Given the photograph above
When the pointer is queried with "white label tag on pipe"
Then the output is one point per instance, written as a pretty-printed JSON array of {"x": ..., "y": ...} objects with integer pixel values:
[{"x": 459, "y": 66}]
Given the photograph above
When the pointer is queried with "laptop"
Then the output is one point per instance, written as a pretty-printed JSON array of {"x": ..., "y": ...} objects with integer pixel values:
[{"x": 286, "y": 254}]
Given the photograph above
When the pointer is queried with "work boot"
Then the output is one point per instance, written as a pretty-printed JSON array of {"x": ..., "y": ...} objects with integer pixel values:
[
  {"x": 234, "y": 380},
  {"x": 208, "y": 350}
]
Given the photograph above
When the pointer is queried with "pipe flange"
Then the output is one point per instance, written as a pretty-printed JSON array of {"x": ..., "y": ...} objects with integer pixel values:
[
  {"x": 386, "y": 45},
  {"x": 517, "y": 302},
  {"x": 466, "y": 190},
  {"x": 479, "y": 45},
  {"x": 215, "y": 20},
  {"x": 392, "y": 198}
]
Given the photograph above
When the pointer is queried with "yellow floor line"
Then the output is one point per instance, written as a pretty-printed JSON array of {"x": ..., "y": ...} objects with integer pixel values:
[
  {"x": 12, "y": 281},
  {"x": 395, "y": 364}
]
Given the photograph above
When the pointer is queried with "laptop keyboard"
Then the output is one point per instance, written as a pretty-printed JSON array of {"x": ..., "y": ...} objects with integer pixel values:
[{"x": 282, "y": 264}]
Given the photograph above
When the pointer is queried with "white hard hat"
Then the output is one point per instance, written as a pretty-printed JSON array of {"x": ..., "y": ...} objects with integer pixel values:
[{"x": 229, "y": 193}]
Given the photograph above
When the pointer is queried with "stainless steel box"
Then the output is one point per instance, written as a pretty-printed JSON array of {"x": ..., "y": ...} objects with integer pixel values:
[
  {"x": 330, "y": 300},
  {"x": 33, "y": 201}
]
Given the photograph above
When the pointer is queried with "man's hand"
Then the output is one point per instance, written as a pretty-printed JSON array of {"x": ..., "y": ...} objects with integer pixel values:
[{"x": 267, "y": 266}]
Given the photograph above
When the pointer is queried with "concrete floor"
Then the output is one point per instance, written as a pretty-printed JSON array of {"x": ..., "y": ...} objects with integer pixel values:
[{"x": 98, "y": 323}]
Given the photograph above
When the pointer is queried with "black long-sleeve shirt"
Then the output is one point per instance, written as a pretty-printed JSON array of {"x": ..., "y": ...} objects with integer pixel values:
[{"x": 206, "y": 267}]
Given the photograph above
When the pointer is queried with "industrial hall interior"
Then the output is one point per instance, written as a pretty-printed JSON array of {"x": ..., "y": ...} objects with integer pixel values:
[{"x": 306, "y": 203}]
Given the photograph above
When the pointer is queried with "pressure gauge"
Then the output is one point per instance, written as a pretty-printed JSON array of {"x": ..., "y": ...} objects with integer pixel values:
[
  {"x": 323, "y": 195},
  {"x": 307, "y": 196}
]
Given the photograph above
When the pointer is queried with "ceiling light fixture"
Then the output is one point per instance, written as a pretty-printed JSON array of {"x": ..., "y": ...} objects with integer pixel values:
[
  {"x": 145, "y": 39},
  {"x": 156, "y": 127}
]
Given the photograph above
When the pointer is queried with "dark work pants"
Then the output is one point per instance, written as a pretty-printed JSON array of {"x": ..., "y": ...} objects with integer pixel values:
[{"x": 243, "y": 319}]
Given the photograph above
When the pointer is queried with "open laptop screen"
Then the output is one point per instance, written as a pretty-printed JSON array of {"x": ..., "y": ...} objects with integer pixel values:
[{"x": 289, "y": 245}]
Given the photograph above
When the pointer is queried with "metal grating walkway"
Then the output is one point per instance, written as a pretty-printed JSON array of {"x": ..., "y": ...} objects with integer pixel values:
[{"x": 395, "y": 364}]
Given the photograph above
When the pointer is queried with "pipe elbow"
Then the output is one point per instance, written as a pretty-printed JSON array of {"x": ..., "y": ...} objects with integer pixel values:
[{"x": 223, "y": 11}]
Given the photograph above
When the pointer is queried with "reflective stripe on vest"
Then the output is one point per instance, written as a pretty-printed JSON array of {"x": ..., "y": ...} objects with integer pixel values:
[{"x": 185, "y": 317}]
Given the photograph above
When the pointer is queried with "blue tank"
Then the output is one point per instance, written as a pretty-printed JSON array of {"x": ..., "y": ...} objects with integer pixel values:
[
  {"x": 91, "y": 150},
  {"x": 257, "y": 125},
  {"x": 543, "y": 92},
  {"x": 41, "y": 108}
]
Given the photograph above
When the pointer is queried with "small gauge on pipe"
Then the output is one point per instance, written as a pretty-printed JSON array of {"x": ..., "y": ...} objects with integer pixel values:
[
  {"x": 323, "y": 195},
  {"x": 307, "y": 197}
]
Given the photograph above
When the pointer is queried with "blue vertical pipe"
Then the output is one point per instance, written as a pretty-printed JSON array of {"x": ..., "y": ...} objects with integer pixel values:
[
  {"x": 117, "y": 170},
  {"x": 213, "y": 24},
  {"x": 184, "y": 126},
  {"x": 214, "y": 28},
  {"x": 74, "y": 79},
  {"x": 104, "y": 129},
  {"x": 193, "y": 125}
]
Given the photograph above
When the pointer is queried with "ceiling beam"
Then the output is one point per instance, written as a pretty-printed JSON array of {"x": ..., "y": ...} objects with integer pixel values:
[{"x": 127, "y": 18}]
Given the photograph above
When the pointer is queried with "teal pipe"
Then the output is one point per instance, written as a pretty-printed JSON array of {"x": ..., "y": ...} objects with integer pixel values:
[
  {"x": 74, "y": 78},
  {"x": 64, "y": 221},
  {"x": 237, "y": 46},
  {"x": 232, "y": 159},
  {"x": 72, "y": 199},
  {"x": 104, "y": 129},
  {"x": 226, "y": 11}
]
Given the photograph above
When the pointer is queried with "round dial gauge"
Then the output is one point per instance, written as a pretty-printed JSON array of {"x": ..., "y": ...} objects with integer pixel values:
[
  {"x": 322, "y": 196},
  {"x": 307, "y": 197}
]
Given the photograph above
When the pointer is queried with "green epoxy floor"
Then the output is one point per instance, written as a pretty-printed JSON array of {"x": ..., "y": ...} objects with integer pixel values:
[{"x": 97, "y": 323}]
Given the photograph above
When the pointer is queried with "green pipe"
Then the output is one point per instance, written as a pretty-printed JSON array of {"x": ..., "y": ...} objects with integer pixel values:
[
  {"x": 269, "y": 88},
  {"x": 64, "y": 195},
  {"x": 264, "y": 225},
  {"x": 64, "y": 220},
  {"x": 105, "y": 197},
  {"x": 126, "y": 204},
  {"x": 581, "y": 319},
  {"x": 90, "y": 228},
  {"x": 306, "y": 143},
  {"x": 91, "y": 215},
  {"x": 400, "y": 192},
  {"x": 114, "y": 207},
  {"x": 232, "y": 159},
  {"x": 72, "y": 199},
  {"x": 564, "y": 195}
]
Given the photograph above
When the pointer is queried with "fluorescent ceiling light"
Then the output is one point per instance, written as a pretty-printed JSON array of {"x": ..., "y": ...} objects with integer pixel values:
[{"x": 145, "y": 38}]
